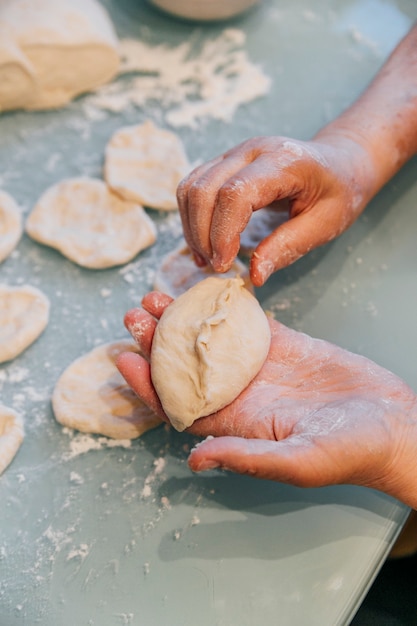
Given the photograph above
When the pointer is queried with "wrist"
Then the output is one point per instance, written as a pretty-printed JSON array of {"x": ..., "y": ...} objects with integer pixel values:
[
  {"x": 353, "y": 162},
  {"x": 401, "y": 477}
]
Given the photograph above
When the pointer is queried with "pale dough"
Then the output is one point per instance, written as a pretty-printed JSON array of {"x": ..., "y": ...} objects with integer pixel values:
[
  {"x": 89, "y": 224},
  {"x": 145, "y": 163},
  {"x": 178, "y": 272},
  {"x": 53, "y": 50},
  {"x": 207, "y": 347},
  {"x": 261, "y": 224},
  {"x": 24, "y": 314},
  {"x": 11, "y": 435},
  {"x": 10, "y": 224},
  {"x": 91, "y": 396}
]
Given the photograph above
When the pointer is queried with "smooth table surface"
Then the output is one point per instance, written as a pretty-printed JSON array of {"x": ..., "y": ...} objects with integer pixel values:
[{"x": 100, "y": 532}]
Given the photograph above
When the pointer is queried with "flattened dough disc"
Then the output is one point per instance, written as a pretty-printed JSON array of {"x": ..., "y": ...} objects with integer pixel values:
[
  {"x": 10, "y": 224},
  {"x": 92, "y": 396},
  {"x": 145, "y": 163},
  {"x": 89, "y": 224},
  {"x": 178, "y": 272},
  {"x": 11, "y": 435},
  {"x": 24, "y": 314}
]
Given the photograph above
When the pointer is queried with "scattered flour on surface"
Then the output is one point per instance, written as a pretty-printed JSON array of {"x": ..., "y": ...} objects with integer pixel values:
[
  {"x": 81, "y": 443},
  {"x": 190, "y": 85},
  {"x": 159, "y": 465}
]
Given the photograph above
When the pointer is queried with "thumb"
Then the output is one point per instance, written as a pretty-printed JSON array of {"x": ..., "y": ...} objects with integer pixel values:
[
  {"x": 289, "y": 461},
  {"x": 289, "y": 242}
]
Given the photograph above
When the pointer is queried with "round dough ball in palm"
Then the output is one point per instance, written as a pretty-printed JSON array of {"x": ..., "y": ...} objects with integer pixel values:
[
  {"x": 11, "y": 435},
  {"x": 24, "y": 314},
  {"x": 89, "y": 224},
  {"x": 91, "y": 396},
  {"x": 10, "y": 224},
  {"x": 207, "y": 347},
  {"x": 145, "y": 163}
]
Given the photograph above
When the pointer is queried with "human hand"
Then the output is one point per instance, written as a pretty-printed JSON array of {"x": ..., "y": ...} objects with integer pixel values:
[
  {"x": 326, "y": 183},
  {"x": 314, "y": 415}
]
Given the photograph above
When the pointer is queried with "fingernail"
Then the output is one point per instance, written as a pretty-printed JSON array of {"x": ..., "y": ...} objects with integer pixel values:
[{"x": 204, "y": 466}]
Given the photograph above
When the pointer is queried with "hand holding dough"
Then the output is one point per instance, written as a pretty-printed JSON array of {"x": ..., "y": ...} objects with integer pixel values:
[
  {"x": 314, "y": 415},
  {"x": 209, "y": 344}
]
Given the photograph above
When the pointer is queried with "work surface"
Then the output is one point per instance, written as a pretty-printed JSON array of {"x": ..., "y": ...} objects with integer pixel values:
[{"x": 94, "y": 531}]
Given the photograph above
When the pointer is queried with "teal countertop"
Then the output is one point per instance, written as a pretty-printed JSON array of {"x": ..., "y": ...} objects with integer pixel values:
[{"x": 104, "y": 534}]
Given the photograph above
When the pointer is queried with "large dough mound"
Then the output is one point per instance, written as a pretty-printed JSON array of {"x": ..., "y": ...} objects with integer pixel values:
[
  {"x": 53, "y": 50},
  {"x": 208, "y": 345},
  {"x": 89, "y": 224},
  {"x": 145, "y": 163},
  {"x": 92, "y": 396}
]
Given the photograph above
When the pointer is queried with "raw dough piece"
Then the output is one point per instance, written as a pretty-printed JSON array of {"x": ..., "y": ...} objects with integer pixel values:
[
  {"x": 11, "y": 435},
  {"x": 89, "y": 224},
  {"x": 24, "y": 314},
  {"x": 10, "y": 224},
  {"x": 261, "y": 224},
  {"x": 178, "y": 272},
  {"x": 146, "y": 163},
  {"x": 207, "y": 347},
  {"x": 92, "y": 396},
  {"x": 53, "y": 50}
]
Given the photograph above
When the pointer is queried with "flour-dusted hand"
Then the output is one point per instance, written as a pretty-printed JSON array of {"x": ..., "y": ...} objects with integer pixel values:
[
  {"x": 326, "y": 182},
  {"x": 314, "y": 415},
  {"x": 325, "y": 195}
]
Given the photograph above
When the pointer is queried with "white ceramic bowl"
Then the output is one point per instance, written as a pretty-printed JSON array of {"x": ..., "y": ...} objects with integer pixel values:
[{"x": 205, "y": 10}]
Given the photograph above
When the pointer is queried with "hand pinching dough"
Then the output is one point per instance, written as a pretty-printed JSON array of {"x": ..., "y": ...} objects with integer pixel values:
[
  {"x": 11, "y": 435},
  {"x": 10, "y": 224},
  {"x": 178, "y": 272},
  {"x": 207, "y": 347},
  {"x": 89, "y": 224},
  {"x": 53, "y": 50},
  {"x": 24, "y": 314},
  {"x": 91, "y": 396},
  {"x": 145, "y": 163}
]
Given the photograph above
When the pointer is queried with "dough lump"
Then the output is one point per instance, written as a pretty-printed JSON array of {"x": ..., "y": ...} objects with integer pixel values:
[
  {"x": 145, "y": 163},
  {"x": 11, "y": 435},
  {"x": 89, "y": 224},
  {"x": 24, "y": 314},
  {"x": 10, "y": 224},
  {"x": 208, "y": 345},
  {"x": 91, "y": 396},
  {"x": 178, "y": 272},
  {"x": 53, "y": 50}
]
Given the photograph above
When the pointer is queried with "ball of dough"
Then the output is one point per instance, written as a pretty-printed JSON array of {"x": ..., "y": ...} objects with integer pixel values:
[
  {"x": 208, "y": 345},
  {"x": 53, "y": 50}
]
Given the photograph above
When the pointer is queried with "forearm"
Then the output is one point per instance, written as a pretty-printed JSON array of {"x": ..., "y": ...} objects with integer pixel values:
[{"x": 383, "y": 121}]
